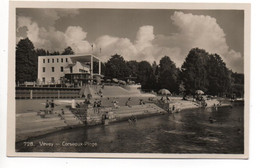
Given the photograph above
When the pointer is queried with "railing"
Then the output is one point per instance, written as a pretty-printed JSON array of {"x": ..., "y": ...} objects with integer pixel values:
[{"x": 42, "y": 93}]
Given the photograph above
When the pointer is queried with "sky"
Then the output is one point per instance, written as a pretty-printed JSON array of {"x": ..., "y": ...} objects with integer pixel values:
[{"x": 136, "y": 34}]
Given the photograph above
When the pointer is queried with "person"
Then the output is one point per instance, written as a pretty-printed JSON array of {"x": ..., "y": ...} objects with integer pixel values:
[
  {"x": 95, "y": 107},
  {"x": 126, "y": 103},
  {"x": 162, "y": 98},
  {"x": 115, "y": 103},
  {"x": 47, "y": 106},
  {"x": 167, "y": 98},
  {"x": 132, "y": 119},
  {"x": 173, "y": 108},
  {"x": 62, "y": 112},
  {"x": 99, "y": 105},
  {"x": 52, "y": 106},
  {"x": 77, "y": 105},
  {"x": 141, "y": 102},
  {"x": 87, "y": 100}
]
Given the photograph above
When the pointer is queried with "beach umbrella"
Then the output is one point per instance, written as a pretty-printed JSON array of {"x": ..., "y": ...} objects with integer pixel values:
[
  {"x": 115, "y": 80},
  {"x": 199, "y": 92},
  {"x": 164, "y": 92}
]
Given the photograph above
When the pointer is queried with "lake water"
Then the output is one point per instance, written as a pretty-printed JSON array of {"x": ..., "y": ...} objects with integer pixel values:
[{"x": 189, "y": 131}]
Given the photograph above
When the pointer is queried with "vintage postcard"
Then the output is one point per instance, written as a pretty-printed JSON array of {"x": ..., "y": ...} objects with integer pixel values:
[{"x": 128, "y": 80}]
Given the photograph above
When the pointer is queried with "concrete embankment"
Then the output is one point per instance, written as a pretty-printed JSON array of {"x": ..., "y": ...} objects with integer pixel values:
[
  {"x": 31, "y": 124},
  {"x": 179, "y": 104}
]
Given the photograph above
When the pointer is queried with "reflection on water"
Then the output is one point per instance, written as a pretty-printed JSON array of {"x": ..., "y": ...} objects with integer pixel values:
[{"x": 191, "y": 131}]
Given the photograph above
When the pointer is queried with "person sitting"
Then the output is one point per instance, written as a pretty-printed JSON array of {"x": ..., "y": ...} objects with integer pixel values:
[
  {"x": 77, "y": 105},
  {"x": 115, "y": 104},
  {"x": 127, "y": 102},
  {"x": 162, "y": 98},
  {"x": 167, "y": 98},
  {"x": 141, "y": 102}
]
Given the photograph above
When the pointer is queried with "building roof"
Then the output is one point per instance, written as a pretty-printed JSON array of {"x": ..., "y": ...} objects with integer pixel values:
[
  {"x": 84, "y": 58},
  {"x": 77, "y": 57}
]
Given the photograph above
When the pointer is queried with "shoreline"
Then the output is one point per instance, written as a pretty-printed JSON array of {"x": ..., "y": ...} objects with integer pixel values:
[{"x": 56, "y": 125}]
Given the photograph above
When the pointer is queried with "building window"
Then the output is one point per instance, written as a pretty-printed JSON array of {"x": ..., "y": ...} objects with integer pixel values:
[
  {"x": 52, "y": 69},
  {"x": 52, "y": 60},
  {"x": 48, "y": 60},
  {"x": 71, "y": 69},
  {"x": 61, "y": 69},
  {"x": 57, "y": 59},
  {"x": 66, "y": 59},
  {"x": 52, "y": 80},
  {"x": 43, "y": 60},
  {"x": 43, "y": 80},
  {"x": 62, "y": 60},
  {"x": 43, "y": 69}
]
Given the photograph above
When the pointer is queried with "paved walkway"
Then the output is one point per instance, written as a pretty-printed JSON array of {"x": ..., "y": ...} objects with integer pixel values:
[{"x": 32, "y": 124}]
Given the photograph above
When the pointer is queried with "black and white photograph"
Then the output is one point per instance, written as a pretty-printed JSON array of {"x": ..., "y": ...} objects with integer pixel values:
[{"x": 158, "y": 81}]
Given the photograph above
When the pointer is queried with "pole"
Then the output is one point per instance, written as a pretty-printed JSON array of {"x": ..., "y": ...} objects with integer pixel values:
[
  {"x": 99, "y": 67},
  {"x": 91, "y": 68},
  {"x": 31, "y": 94},
  {"x": 58, "y": 94}
]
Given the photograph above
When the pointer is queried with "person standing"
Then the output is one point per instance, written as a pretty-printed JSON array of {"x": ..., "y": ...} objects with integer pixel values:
[
  {"x": 52, "y": 106},
  {"x": 47, "y": 106}
]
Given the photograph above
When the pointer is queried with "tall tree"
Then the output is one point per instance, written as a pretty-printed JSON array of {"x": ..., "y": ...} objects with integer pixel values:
[
  {"x": 103, "y": 68},
  {"x": 26, "y": 61},
  {"x": 155, "y": 69},
  {"x": 194, "y": 71},
  {"x": 133, "y": 67},
  {"x": 219, "y": 76},
  {"x": 145, "y": 76},
  {"x": 68, "y": 51},
  {"x": 168, "y": 74},
  {"x": 116, "y": 67},
  {"x": 237, "y": 84}
]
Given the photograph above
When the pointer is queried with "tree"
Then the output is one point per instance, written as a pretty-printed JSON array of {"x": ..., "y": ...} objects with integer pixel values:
[
  {"x": 237, "y": 84},
  {"x": 40, "y": 52},
  {"x": 168, "y": 75},
  {"x": 116, "y": 67},
  {"x": 207, "y": 72},
  {"x": 145, "y": 76},
  {"x": 182, "y": 88},
  {"x": 58, "y": 53},
  {"x": 133, "y": 66},
  {"x": 103, "y": 68},
  {"x": 219, "y": 76},
  {"x": 68, "y": 51},
  {"x": 194, "y": 71},
  {"x": 26, "y": 61}
]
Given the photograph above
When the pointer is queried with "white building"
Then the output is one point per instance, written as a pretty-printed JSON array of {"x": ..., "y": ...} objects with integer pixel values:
[{"x": 53, "y": 69}]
